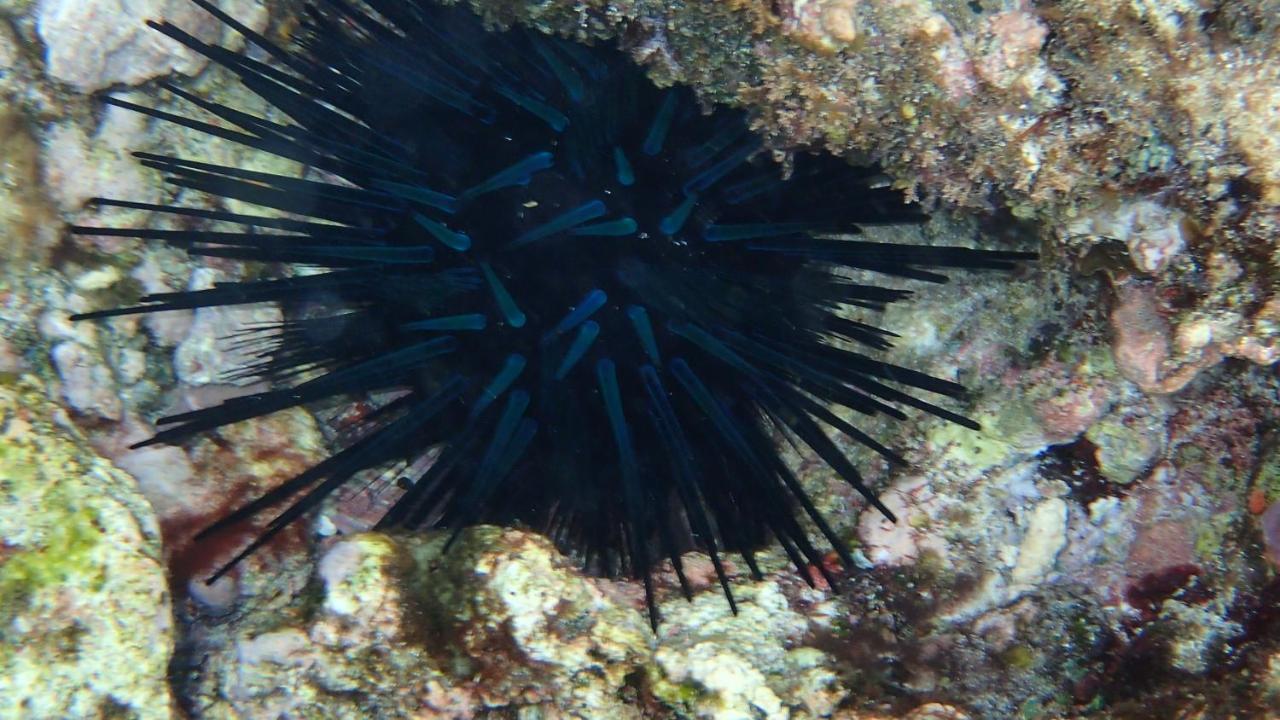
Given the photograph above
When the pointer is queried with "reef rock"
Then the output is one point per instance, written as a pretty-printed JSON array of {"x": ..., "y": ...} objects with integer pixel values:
[
  {"x": 1051, "y": 110},
  {"x": 90, "y": 49},
  {"x": 400, "y": 629},
  {"x": 86, "y": 627}
]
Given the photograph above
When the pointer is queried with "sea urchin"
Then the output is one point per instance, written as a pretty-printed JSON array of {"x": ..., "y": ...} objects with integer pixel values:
[{"x": 598, "y": 304}]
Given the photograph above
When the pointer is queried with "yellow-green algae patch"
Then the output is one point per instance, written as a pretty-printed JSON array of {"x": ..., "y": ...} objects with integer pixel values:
[{"x": 85, "y": 617}]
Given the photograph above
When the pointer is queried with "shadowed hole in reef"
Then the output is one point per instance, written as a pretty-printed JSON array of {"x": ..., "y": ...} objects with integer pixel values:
[{"x": 1076, "y": 464}]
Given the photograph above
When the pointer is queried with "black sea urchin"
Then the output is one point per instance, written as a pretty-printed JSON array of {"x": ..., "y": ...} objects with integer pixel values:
[{"x": 600, "y": 304}]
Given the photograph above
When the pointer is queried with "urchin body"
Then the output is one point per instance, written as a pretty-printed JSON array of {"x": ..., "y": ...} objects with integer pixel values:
[{"x": 597, "y": 303}]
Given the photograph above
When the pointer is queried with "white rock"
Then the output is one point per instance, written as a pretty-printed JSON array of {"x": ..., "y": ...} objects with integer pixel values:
[
  {"x": 94, "y": 44},
  {"x": 87, "y": 383},
  {"x": 1153, "y": 232},
  {"x": 99, "y": 279},
  {"x": 78, "y": 167},
  {"x": 1045, "y": 538},
  {"x": 164, "y": 475}
]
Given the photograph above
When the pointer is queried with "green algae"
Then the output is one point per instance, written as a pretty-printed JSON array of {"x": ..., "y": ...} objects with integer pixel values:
[
  {"x": 85, "y": 623},
  {"x": 979, "y": 449},
  {"x": 1266, "y": 478},
  {"x": 1020, "y": 658},
  {"x": 65, "y": 556},
  {"x": 64, "y": 552},
  {"x": 1125, "y": 449}
]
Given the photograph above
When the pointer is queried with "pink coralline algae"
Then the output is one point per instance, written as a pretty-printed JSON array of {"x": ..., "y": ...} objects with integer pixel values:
[
  {"x": 1009, "y": 53},
  {"x": 1270, "y": 522}
]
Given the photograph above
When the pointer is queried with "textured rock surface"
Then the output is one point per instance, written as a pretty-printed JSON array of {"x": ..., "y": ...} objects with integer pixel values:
[
  {"x": 89, "y": 48},
  {"x": 1051, "y": 110},
  {"x": 85, "y": 622},
  {"x": 1097, "y": 550},
  {"x": 78, "y": 166},
  {"x": 711, "y": 663},
  {"x": 27, "y": 225},
  {"x": 501, "y": 625},
  {"x": 397, "y": 630}
]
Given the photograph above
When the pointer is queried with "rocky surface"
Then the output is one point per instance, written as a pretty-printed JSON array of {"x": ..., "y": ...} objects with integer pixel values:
[
  {"x": 86, "y": 627},
  {"x": 1050, "y": 110},
  {"x": 501, "y": 623},
  {"x": 89, "y": 48},
  {"x": 1100, "y": 549},
  {"x": 393, "y": 628},
  {"x": 28, "y": 221}
]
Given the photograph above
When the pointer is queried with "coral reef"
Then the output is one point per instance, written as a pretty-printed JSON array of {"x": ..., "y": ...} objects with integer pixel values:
[
  {"x": 1106, "y": 548},
  {"x": 86, "y": 628},
  {"x": 89, "y": 49},
  {"x": 393, "y": 628},
  {"x": 1051, "y": 110}
]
